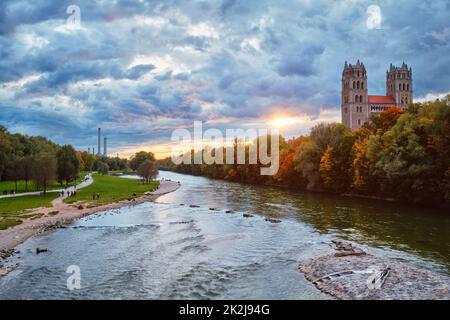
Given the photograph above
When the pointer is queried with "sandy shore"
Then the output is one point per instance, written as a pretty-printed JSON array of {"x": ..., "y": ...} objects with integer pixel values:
[{"x": 12, "y": 237}]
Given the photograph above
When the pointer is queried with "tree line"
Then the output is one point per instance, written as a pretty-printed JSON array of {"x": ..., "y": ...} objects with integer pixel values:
[
  {"x": 42, "y": 161},
  {"x": 37, "y": 159},
  {"x": 398, "y": 154}
]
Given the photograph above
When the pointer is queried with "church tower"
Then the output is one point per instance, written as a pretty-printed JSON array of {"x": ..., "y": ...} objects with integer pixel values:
[
  {"x": 399, "y": 84},
  {"x": 354, "y": 97}
]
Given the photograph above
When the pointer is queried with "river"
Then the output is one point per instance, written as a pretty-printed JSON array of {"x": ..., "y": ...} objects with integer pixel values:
[{"x": 168, "y": 250}]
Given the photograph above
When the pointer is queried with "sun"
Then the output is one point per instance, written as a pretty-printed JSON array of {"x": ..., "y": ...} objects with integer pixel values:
[{"x": 282, "y": 122}]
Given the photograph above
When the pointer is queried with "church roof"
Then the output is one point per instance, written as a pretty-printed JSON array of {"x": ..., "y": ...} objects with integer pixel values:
[{"x": 381, "y": 99}]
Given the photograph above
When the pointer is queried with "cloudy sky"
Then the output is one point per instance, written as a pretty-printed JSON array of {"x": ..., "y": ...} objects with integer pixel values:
[{"x": 140, "y": 69}]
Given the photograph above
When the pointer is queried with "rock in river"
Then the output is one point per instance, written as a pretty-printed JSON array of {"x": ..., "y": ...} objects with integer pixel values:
[
  {"x": 348, "y": 277},
  {"x": 273, "y": 220}
]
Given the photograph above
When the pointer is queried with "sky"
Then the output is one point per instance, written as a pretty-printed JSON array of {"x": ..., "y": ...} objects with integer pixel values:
[{"x": 141, "y": 69}]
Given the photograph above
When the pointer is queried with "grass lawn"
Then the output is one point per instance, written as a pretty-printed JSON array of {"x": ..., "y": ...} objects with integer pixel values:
[
  {"x": 111, "y": 189},
  {"x": 126, "y": 171},
  {"x": 13, "y": 210},
  {"x": 10, "y": 185}
]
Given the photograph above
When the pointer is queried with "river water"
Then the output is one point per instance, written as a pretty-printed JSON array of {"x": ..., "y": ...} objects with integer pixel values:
[{"x": 168, "y": 250}]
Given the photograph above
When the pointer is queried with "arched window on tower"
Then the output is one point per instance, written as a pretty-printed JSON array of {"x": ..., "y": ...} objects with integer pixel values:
[
  {"x": 354, "y": 85},
  {"x": 357, "y": 85},
  {"x": 356, "y": 98},
  {"x": 407, "y": 87},
  {"x": 362, "y": 85},
  {"x": 404, "y": 87},
  {"x": 400, "y": 86},
  {"x": 360, "y": 99}
]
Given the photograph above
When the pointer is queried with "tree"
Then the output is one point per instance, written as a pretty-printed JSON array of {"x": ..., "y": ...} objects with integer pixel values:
[
  {"x": 140, "y": 157},
  {"x": 147, "y": 170},
  {"x": 327, "y": 134},
  {"x": 5, "y": 149},
  {"x": 80, "y": 157},
  {"x": 287, "y": 174},
  {"x": 14, "y": 169},
  {"x": 102, "y": 167},
  {"x": 68, "y": 164},
  {"x": 44, "y": 170},
  {"x": 307, "y": 163},
  {"x": 89, "y": 161},
  {"x": 382, "y": 122},
  {"x": 363, "y": 180},
  {"x": 336, "y": 164},
  {"x": 27, "y": 169},
  {"x": 326, "y": 168}
]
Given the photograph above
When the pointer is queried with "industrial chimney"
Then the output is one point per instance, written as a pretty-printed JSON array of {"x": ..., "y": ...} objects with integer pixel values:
[
  {"x": 105, "y": 140},
  {"x": 99, "y": 146}
]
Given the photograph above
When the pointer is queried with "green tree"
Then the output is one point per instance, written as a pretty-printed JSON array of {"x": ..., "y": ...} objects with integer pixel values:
[
  {"x": 102, "y": 167},
  {"x": 140, "y": 157},
  {"x": 89, "y": 161},
  {"x": 5, "y": 150},
  {"x": 147, "y": 170},
  {"x": 14, "y": 170},
  {"x": 44, "y": 170},
  {"x": 68, "y": 164},
  {"x": 27, "y": 169},
  {"x": 307, "y": 162}
]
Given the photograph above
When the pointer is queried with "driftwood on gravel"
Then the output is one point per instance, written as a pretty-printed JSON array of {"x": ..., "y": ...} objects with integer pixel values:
[{"x": 370, "y": 277}]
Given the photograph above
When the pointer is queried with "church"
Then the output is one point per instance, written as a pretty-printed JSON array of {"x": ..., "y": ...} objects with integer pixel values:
[{"x": 357, "y": 105}]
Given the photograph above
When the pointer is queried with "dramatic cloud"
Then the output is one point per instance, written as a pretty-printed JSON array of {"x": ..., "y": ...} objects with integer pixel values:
[{"x": 140, "y": 69}]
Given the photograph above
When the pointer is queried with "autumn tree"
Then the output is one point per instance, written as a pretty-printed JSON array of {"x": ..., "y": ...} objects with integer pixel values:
[{"x": 382, "y": 122}]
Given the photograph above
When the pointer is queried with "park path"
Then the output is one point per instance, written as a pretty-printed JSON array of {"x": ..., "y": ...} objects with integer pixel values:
[{"x": 88, "y": 181}]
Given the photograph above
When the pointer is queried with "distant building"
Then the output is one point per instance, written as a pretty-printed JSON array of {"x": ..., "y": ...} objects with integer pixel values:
[{"x": 357, "y": 105}]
